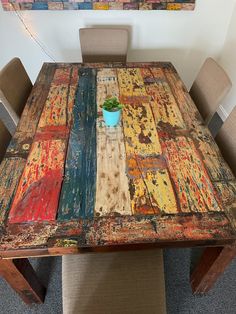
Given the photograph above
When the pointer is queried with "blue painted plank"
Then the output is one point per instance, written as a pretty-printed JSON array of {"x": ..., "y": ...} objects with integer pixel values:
[{"x": 79, "y": 185}]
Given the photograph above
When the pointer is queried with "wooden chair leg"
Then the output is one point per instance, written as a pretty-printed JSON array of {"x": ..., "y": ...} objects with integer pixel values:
[
  {"x": 21, "y": 276},
  {"x": 212, "y": 264}
]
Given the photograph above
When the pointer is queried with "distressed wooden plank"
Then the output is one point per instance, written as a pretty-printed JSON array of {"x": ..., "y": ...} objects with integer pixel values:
[
  {"x": 19, "y": 147},
  {"x": 146, "y": 185},
  {"x": 130, "y": 83},
  {"x": 189, "y": 112},
  {"x": 155, "y": 229},
  {"x": 35, "y": 104},
  {"x": 107, "y": 86},
  {"x": 168, "y": 230},
  {"x": 10, "y": 171},
  {"x": 112, "y": 195},
  {"x": 227, "y": 194},
  {"x": 167, "y": 65},
  {"x": 38, "y": 192},
  {"x": 79, "y": 186},
  {"x": 211, "y": 156},
  {"x": 140, "y": 131},
  {"x": 192, "y": 183},
  {"x": 164, "y": 106},
  {"x": 150, "y": 186},
  {"x": 72, "y": 92}
]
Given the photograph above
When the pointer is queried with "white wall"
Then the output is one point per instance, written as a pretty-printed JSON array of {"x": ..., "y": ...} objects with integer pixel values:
[
  {"x": 185, "y": 38},
  {"x": 228, "y": 60}
]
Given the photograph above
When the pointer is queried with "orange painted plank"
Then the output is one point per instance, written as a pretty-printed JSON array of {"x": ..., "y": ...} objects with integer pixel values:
[
  {"x": 193, "y": 186},
  {"x": 164, "y": 106}
]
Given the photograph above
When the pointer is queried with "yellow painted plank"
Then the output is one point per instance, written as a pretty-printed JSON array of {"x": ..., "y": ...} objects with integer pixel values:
[
  {"x": 131, "y": 82},
  {"x": 150, "y": 185},
  {"x": 151, "y": 188},
  {"x": 140, "y": 132},
  {"x": 55, "y": 107}
]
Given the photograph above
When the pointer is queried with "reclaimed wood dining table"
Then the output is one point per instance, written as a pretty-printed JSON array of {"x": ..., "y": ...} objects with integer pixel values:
[{"x": 69, "y": 184}]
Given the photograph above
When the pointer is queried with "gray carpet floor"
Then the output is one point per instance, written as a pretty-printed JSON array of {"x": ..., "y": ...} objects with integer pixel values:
[{"x": 221, "y": 300}]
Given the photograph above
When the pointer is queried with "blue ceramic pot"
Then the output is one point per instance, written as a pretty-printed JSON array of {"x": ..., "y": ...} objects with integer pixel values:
[{"x": 111, "y": 118}]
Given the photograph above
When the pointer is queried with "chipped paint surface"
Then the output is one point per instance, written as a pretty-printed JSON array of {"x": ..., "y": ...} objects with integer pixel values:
[
  {"x": 150, "y": 186},
  {"x": 158, "y": 177},
  {"x": 38, "y": 192},
  {"x": 112, "y": 182},
  {"x": 140, "y": 131},
  {"x": 194, "y": 188}
]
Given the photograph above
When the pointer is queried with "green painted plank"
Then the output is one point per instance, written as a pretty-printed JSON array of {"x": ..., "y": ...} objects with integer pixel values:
[{"x": 79, "y": 185}]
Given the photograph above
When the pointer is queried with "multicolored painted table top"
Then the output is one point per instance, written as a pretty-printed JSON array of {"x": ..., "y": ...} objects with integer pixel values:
[
  {"x": 10, "y": 5},
  {"x": 69, "y": 181}
]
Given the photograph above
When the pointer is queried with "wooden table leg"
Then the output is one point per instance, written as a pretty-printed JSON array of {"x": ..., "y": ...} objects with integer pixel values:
[
  {"x": 212, "y": 264},
  {"x": 22, "y": 278}
]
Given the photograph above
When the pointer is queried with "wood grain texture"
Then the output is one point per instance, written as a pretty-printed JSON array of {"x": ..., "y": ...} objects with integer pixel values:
[
  {"x": 212, "y": 264},
  {"x": 39, "y": 187},
  {"x": 165, "y": 108},
  {"x": 179, "y": 191},
  {"x": 155, "y": 214},
  {"x": 38, "y": 191},
  {"x": 189, "y": 112},
  {"x": 112, "y": 195},
  {"x": 140, "y": 131},
  {"x": 194, "y": 189},
  {"x": 212, "y": 158},
  {"x": 10, "y": 171},
  {"x": 107, "y": 86},
  {"x": 130, "y": 82},
  {"x": 21, "y": 276},
  {"x": 227, "y": 194},
  {"x": 12, "y": 168},
  {"x": 150, "y": 186},
  {"x": 155, "y": 229},
  {"x": 204, "y": 229},
  {"x": 79, "y": 185}
]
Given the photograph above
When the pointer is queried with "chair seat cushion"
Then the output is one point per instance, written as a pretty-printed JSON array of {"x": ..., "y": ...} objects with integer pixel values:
[{"x": 110, "y": 283}]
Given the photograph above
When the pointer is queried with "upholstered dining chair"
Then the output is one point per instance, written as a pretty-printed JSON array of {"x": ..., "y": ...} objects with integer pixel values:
[
  {"x": 15, "y": 87},
  {"x": 226, "y": 140},
  {"x": 210, "y": 87},
  {"x": 104, "y": 44},
  {"x": 118, "y": 282}
]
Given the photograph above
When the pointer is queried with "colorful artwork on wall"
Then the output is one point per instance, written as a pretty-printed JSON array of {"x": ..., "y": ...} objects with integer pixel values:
[{"x": 11, "y": 5}]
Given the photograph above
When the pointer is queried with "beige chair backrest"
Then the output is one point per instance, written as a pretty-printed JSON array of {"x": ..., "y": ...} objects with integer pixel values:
[
  {"x": 15, "y": 87},
  {"x": 104, "y": 44},
  {"x": 209, "y": 88},
  {"x": 226, "y": 139},
  {"x": 7, "y": 115}
]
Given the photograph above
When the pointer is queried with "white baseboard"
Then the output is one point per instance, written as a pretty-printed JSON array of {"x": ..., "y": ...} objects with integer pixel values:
[{"x": 222, "y": 113}]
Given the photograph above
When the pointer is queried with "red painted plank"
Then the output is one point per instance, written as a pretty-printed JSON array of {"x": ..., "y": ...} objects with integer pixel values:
[{"x": 38, "y": 192}]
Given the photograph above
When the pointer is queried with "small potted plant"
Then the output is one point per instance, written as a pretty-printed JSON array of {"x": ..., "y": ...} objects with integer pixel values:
[{"x": 111, "y": 110}]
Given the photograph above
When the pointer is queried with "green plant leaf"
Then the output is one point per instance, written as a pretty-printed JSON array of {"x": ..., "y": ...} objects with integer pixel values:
[{"x": 112, "y": 104}]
